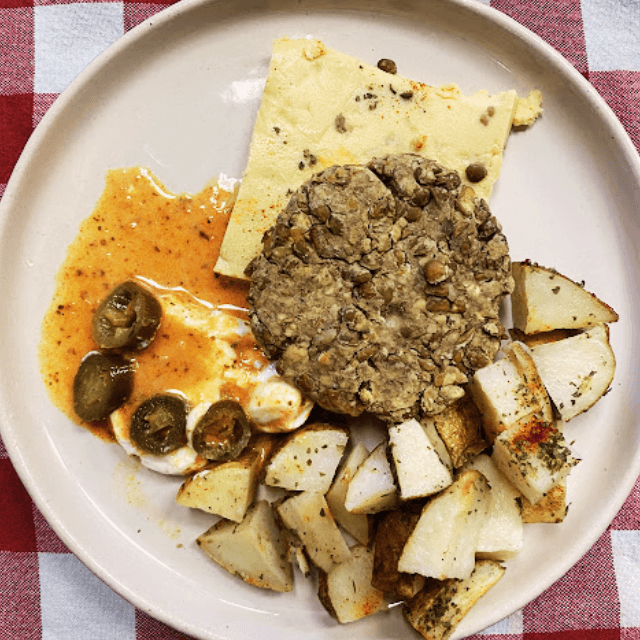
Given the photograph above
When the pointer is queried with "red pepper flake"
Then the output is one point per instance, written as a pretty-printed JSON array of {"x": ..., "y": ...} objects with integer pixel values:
[{"x": 534, "y": 433}]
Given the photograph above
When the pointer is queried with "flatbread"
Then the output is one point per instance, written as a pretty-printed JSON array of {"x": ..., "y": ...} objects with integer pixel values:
[{"x": 322, "y": 108}]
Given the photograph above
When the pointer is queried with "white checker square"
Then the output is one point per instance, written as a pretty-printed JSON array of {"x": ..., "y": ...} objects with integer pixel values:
[
  {"x": 612, "y": 34},
  {"x": 626, "y": 561},
  {"x": 77, "y": 604},
  {"x": 67, "y": 37},
  {"x": 511, "y": 625}
]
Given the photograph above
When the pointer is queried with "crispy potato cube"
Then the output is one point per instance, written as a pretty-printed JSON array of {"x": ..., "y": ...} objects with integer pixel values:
[
  {"x": 307, "y": 516},
  {"x": 308, "y": 458},
  {"x": 356, "y": 524},
  {"x": 510, "y": 391},
  {"x": 544, "y": 300},
  {"x": 225, "y": 489},
  {"x": 521, "y": 356},
  {"x": 436, "y": 611},
  {"x": 346, "y": 591},
  {"x": 460, "y": 427},
  {"x": 576, "y": 371},
  {"x": 373, "y": 488},
  {"x": 501, "y": 396},
  {"x": 551, "y": 508},
  {"x": 444, "y": 541},
  {"x": 502, "y": 534},
  {"x": 391, "y": 535},
  {"x": 416, "y": 451},
  {"x": 534, "y": 457},
  {"x": 228, "y": 488},
  {"x": 253, "y": 549}
]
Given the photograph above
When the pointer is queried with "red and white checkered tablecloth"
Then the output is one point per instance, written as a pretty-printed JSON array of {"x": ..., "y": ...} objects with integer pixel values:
[{"x": 45, "y": 592}]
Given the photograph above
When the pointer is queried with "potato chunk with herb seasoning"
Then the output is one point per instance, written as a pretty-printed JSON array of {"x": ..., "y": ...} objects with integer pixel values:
[
  {"x": 308, "y": 458},
  {"x": 346, "y": 591},
  {"x": 502, "y": 533},
  {"x": 521, "y": 355},
  {"x": 509, "y": 392},
  {"x": 440, "y": 606},
  {"x": 392, "y": 533},
  {"x": 373, "y": 488},
  {"x": 544, "y": 300},
  {"x": 254, "y": 549},
  {"x": 460, "y": 427},
  {"x": 356, "y": 524},
  {"x": 552, "y": 508},
  {"x": 576, "y": 371},
  {"x": 421, "y": 462},
  {"x": 227, "y": 488},
  {"x": 534, "y": 457},
  {"x": 308, "y": 517},
  {"x": 444, "y": 541}
]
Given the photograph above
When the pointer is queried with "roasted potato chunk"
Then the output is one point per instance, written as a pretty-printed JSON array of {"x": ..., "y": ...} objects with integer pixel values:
[
  {"x": 460, "y": 427},
  {"x": 307, "y": 516},
  {"x": 576, "y": 371},
  {"x": 544, "y": 300},
  {"x": 551, "y": 508},
  {"x": 307, "y": 460},
  {"x": 421, "y": 463},
  {"x": 391, "y": 535},
  {"x": 356, "y": 524},
  {"x": 254, "y": 549},
  {"x": 346, "y": 591},
  {"x": 436, "y": 610},
  {"x": 444, "y": 541},
  {"x": 373, "y": 488}
]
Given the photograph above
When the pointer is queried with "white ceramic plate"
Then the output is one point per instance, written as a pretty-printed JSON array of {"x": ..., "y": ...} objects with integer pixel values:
[{"x": 179, "y": 94}]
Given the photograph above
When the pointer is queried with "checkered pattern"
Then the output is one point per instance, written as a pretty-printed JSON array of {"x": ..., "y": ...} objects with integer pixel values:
[{"x": 45, "y": 592}]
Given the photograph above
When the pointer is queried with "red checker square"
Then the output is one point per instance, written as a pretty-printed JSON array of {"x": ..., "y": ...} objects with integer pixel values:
[
  {"x": 16, "y": 50},
  {"x": 47, "y": 539},
  {"x": 44, "y": 3},
  {"x": 149, "y": 629},
  {"x": 17, "y": 532},
  {"x": 495, "y": 636},
  {"x": 544, "y": 17},
  {"x": 15, "y": 4},
  {"x": 41, "y": 104},
  {"x": 20, "y": 597},
  {"x": 587, "y": 634},
  {"x": 137, "y": 12},
  {"x": 158, "y": 4},
  {"x": 629, "y": 515},
  {"x": 15, "y": 129},
  {"x": 621, "y": 90},
  {"x": 630, "y": 634},
  {"x": 585, "y": 598}
]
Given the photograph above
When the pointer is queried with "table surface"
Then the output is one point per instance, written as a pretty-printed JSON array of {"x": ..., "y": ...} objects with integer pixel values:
[{"x": 45, "y": 592}]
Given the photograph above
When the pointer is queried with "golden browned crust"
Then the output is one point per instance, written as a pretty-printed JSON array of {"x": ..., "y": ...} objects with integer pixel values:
[{"x": 460, "y": 427}]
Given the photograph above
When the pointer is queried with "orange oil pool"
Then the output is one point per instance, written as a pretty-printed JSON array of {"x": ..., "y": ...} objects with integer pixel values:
[{"x": 137, "y": 228}]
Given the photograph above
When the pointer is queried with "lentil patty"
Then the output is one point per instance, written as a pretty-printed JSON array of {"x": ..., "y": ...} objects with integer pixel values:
[{"x": 378, "y": 288}]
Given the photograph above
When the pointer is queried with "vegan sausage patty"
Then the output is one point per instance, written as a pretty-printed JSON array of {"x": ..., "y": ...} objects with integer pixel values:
[{"x": 378, "y": 288}]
